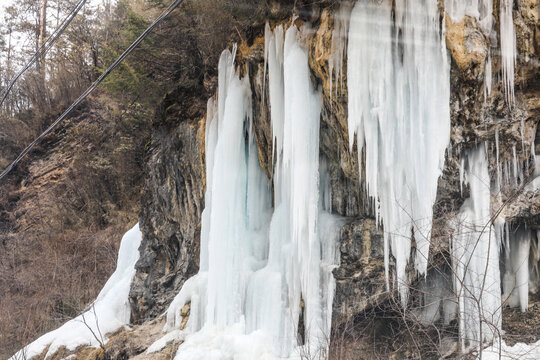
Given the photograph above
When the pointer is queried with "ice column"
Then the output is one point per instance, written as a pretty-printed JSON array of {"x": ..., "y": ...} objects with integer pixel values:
[
  {"x": 398, "y": 82},
  {"x": 516, "y": 277},
  {"x": 239, "y": 207},
  {"x": 301, "y": 255},
  {"x": 475, "y": 258}
]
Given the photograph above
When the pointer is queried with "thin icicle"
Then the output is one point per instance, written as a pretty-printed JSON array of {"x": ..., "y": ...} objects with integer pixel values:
[
  {"x": 515, "y": 166},
  {"x": 497, "y": 156},
  {"x": 338, "y": 51},
  {"x": 488, "y": 77},
  {"x": 461, "y": 174}
]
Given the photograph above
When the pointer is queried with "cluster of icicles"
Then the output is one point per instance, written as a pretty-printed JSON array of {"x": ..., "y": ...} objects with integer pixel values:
[{"x": 268, "y": 248}]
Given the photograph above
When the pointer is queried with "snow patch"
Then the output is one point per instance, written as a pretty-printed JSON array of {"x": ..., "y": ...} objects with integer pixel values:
[
  {"x": 522, "y": 351},
  {"x": 109, "y": 312}
]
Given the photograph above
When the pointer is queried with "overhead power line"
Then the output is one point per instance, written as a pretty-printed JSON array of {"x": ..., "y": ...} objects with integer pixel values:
[
  {"x": 94, "y": 85},
  {"x": 44, "y": 48}
]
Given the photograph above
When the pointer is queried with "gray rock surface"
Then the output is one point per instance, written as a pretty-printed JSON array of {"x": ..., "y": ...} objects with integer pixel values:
[{"x": 172, "y": 204}]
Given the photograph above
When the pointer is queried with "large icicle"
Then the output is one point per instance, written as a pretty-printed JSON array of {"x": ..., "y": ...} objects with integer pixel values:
[
  {"x": 507, "y": 38},
  {"x": 399, "y": 88},
  {"x": 259, "y": 267},
  {"x": 109, "y": 312},
  {"x": 475, "y": 258}
]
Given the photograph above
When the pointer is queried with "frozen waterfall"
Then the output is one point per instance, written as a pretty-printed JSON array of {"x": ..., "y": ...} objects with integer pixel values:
[
  {"x": 399, "y": 88},
  {"x": 265, "y": 286}
]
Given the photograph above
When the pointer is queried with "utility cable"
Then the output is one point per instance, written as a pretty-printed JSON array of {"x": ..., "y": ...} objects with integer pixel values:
[
  {"x": 94, "y": 85},
  {"x": 44, "y": 48}
]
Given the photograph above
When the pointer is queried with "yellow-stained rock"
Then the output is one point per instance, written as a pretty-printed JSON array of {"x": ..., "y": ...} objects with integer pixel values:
[{"x": 468, "y": 45}]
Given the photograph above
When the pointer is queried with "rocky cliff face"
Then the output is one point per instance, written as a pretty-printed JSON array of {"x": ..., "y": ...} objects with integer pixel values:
[
  {"x": 174, "y": 190},
  {"x": 172, "y": 204}
]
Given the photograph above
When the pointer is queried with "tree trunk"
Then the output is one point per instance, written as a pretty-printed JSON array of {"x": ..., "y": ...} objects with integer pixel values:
[
  {"x": 41, "y": 62},
  {"x": 42, "y": 33},
  {"x": 8, "y": 72}
]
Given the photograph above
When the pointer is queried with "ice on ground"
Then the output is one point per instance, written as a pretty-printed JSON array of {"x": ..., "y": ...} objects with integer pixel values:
[{"x": 521, "y": 351}]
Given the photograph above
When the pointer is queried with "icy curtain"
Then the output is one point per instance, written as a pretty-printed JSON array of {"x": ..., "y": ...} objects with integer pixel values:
[
  {"x": 240, "y": 203},
  {"x": 398, "y": 82},
  {"x": 263, "y": 270},
  {"x": 475, "y": 257},
  {"x": 296, "y": 134}
]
